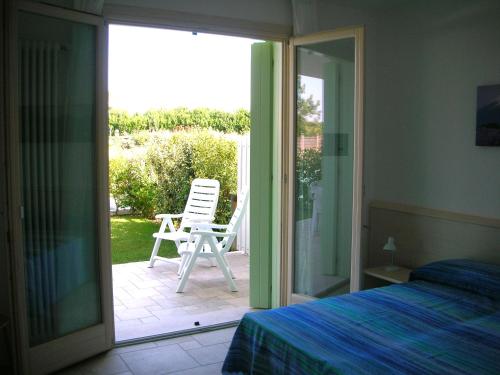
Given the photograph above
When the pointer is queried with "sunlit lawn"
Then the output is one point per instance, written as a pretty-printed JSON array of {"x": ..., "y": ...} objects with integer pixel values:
[{"x": 132, "y": 240}]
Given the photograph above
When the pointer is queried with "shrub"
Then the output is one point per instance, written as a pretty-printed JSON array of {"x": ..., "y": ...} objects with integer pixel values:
[
  {"x": 308, "y": 166},
  {"x": 159, "y": 180},
  {"x": 170, "y": 162},
  {"x": 308, "y": 170},
  {"x": 125, "y": 123},
  {"x": 217, "y": 159},
  {"x": 131, "y": 185},
  {"x": 179, "y": 118}
]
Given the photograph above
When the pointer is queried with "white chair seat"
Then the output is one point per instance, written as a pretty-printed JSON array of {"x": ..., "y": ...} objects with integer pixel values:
[
  {"x": 189, "y": 248},
  {"x": 172, "y": 236}
]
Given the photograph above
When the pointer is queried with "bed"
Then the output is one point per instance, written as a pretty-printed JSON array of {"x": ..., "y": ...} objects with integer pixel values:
[{"x": 445, "y": 320}]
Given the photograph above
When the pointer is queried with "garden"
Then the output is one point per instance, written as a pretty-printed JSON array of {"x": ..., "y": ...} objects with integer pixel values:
[{"x": 153, "y": 159}]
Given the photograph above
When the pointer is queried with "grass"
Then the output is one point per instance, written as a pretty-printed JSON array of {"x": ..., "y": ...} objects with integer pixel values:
[{"x": 132, "y": 240}]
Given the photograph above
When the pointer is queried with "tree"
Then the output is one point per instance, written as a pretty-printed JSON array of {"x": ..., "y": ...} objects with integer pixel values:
[{"x": 308, "y": 114}]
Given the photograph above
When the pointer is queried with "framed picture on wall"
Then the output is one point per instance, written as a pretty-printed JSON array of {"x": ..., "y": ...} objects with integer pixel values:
[{"x": 488, "y": 116}]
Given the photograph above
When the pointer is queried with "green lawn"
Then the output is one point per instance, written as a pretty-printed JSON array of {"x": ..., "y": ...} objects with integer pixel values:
[{"x": 132, "y": 240}]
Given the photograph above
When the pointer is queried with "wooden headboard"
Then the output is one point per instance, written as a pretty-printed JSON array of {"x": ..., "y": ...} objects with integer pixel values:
[{"x": 425, "y": 235}]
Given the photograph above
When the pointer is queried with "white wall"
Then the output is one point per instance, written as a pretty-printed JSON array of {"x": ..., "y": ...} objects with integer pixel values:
[
  {"x": 333, "y": 16},
  {"x": 424, "y": 145},
  {"x": 423, "y": 65},
  {"x": 268, "y": 11}
]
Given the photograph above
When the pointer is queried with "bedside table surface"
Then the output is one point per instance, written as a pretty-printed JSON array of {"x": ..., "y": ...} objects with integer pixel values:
[{"x": 398, "y": 276}]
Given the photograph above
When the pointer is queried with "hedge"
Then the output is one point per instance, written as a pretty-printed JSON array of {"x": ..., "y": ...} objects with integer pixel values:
[
  {"x": 123, "y": 122},
  {"x": 308, "y": 170},
  {"x": 157, "y": 178}
]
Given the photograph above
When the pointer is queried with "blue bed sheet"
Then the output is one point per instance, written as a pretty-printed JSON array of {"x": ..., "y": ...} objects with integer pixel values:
[{"x": 418, "y": 327}]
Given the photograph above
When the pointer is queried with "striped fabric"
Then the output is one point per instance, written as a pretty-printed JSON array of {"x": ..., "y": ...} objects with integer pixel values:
[
  {"x": 477, "y": 277},
  {"x": 414, "y": 328}
]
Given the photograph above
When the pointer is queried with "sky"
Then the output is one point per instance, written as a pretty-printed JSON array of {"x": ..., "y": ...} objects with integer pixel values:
[
  {"x": 157, "y": 68},
  {"x": 314, "y": 87}
]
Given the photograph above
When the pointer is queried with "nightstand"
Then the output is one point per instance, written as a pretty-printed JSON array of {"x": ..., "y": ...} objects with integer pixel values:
[{"x": 398, "y": 276}]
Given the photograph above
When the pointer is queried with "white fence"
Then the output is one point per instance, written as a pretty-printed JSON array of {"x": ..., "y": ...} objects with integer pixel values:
[{"x": 243, "y": 237}]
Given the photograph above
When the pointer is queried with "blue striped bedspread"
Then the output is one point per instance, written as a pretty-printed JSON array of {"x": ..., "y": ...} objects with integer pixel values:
[{"x": 418, "y": 327}]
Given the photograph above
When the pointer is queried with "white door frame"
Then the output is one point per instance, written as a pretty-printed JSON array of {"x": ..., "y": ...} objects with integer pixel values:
[
  {"x": 76, "y": 346},
  {"x": 186, "y": 21},
  {"x": 171, "y": 20},
  {"x": 289, "y": 214}
]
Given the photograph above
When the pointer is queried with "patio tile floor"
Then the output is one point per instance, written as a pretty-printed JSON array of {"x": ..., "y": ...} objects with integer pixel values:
[
  {"x": 146, "y": 303},
  {"x": 198, "y": 354}
]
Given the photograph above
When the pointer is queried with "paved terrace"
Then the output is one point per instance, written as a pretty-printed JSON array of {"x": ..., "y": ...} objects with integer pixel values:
[{"x": 146, "y": 303}]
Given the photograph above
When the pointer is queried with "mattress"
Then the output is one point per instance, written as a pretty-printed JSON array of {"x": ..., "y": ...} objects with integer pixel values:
[{"x": 425, "y": 326}]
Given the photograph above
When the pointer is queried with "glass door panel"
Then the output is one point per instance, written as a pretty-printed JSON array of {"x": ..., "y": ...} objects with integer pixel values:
[
  {"x": 324, "y": 128},
  {"x": 57, "y": 112}
]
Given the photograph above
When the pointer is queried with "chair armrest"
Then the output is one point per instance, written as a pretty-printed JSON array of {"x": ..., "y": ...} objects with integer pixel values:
[
  {"x": 218, "y": 226},
  {"x": 212, "y": 234},
  {"x": 168, "y": 216},
  {"x": 209, "y": 226},
  {"x": 167, "y": 221}
]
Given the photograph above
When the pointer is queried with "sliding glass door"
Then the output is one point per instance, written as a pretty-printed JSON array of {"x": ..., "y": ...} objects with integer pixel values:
[
  {"x": 64, "y": 226},
  {"x": 327, "y": 157},
  {"x": 58, "y": 139}
]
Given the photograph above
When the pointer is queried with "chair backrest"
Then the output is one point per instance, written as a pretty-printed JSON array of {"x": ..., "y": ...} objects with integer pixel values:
[
  {"x": 202, "y": 202},
  {"x": 236, "y": 219}
]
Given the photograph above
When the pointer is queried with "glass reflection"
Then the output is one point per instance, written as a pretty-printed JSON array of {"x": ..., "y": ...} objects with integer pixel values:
[{"x": 324, "y": 162}]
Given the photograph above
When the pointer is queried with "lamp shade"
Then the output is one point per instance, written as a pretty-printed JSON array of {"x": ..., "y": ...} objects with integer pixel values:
[{"x": 390, "y": 245}]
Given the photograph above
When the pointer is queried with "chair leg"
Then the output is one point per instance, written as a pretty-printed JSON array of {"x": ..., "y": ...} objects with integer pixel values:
[
  {"x": 226, "y": 271},
  {"x": 190, "y": 262},
  {"x": 228, "y": 266},
  {"x": 186, "y": 271},
  {"x": 154, "y": 253},
  {"x": 181, "y": 265}
]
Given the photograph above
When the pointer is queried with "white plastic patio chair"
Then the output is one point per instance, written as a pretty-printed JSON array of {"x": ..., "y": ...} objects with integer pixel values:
[
  {"x": 200, "y": 208},
  {"x": 204, "y": 243}
]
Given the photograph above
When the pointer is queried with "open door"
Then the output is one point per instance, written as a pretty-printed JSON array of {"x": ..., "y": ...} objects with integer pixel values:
[
  {"x": 58, "y": 173},
  {"x": 324, "y": 221},
  {"x": 265, "y": 174}
]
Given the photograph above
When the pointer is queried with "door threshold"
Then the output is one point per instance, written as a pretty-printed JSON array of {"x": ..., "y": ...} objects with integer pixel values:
[{"x": 171, "y": 335}]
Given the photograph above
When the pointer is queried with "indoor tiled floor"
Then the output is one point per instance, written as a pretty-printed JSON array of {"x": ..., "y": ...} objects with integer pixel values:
[
  {"x": 200, "y": 354},
  {"x": 146, "y": 303}
]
